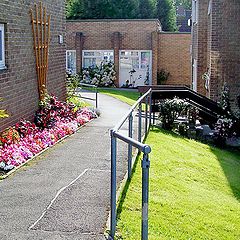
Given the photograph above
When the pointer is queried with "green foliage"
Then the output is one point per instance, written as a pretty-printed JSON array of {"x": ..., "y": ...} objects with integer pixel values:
[
  {"x": 166, "y": 13},
  {"x": 227, "y": 124},
  {"x": 3, "y": 113},
  {"x": 194, "y": 192},
  {"x": 170, "y": 110},
  {"x": 78, "y": 103},
  {"x": 186, "y": 3},
  {"x": 146, "y": 9},
  {"x": 74, "y": 9},
  {"x": 101, "y": 9},
  {"x": 72, "y": 85},
  {"x": 162, "y": 76}
]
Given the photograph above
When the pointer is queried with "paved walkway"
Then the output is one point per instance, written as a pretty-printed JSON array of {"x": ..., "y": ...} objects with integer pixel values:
[{"x": 65, "y": 193}]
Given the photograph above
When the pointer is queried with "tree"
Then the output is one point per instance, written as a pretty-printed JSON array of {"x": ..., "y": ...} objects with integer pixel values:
[
  {"x": 166, "y": 13},
  {"x": 145, "y": 9},
  {"x": 74, "y": 9},
  {"x": 101, "y": 9},
  {"x": 186, "y": 3}
]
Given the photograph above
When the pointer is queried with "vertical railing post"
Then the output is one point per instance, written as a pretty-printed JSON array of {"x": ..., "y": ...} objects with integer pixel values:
[
  {"x": 150, "y": 109},
  {"x": 113, "y": 184},
  {"x": 130, "y": 134},
  {"x": 146, "y": 116},
  {"x": 96, "y": 98},
  {"x": 145, "y": 194},
  {"x": 140, "y": 122}
]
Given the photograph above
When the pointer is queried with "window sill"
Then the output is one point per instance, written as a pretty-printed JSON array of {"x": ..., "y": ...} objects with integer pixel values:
[{"x": 3, "y": 68}]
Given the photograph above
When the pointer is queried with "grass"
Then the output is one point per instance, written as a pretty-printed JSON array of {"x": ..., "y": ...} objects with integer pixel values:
[
  {"x": 129, "y": 97},
  {"x": 194, "y": 192}
]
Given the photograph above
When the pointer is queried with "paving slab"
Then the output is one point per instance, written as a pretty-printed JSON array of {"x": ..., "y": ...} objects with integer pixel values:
[{"x": 65, "y": 193}]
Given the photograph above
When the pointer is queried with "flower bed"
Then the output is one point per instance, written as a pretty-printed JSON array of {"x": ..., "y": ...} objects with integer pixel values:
[{"x": 53, "y": 121}]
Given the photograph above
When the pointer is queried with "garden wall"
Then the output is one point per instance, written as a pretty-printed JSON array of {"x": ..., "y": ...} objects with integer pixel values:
[
  {"x": 18, "y": 82},
  {"x": 174, "y": 57}
]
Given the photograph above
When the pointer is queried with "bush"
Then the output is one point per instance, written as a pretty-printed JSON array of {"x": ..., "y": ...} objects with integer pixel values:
[
  {"x": 102, "y": 76},
  {"x": 170, "y": 110},
  {"x": 52, "y": 110},
  {"x": 228, "y": 124},
  {"x": 162, "y": 77}
]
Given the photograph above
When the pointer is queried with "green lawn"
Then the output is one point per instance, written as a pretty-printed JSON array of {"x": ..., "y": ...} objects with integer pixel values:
[
  {"x": 126, "y": 96},
  {"x": 194, "y": 192}
]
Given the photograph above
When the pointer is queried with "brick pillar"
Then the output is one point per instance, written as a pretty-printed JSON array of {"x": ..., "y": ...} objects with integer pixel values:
[
  {"x": 79, "y": 42},
  {"x": 116, "y": 40},
  {"x": 155, "y": 46}
]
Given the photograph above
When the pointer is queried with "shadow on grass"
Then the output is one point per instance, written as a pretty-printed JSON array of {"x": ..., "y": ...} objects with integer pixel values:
[
  {"x": 229, "y": 160},
  {"x": 230, "y": 164},
  {"x": 126, "y": 187}
]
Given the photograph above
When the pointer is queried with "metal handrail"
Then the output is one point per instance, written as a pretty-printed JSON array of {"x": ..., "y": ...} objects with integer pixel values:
[
  {"x": 144, "y": 148},
  {"x": 123, "y": 120},
  {"x": 96, "y": 92}
]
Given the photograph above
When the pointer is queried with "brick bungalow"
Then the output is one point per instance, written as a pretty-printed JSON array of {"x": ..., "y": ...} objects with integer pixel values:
[
  {"x": 216, "y": 48},
  {"x": 131, "y": 44},
  {"x": 18, "y": 78}
]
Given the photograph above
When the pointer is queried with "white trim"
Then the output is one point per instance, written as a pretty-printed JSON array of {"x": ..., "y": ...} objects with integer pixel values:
[
  {"x": 195, "y": 11},
  {"x": 2, "y": 62},
  {"x": 210, "y": 7}
]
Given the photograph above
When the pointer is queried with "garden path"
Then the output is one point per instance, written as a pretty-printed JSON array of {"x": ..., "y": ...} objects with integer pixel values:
[{"x": 64, "y": 193}]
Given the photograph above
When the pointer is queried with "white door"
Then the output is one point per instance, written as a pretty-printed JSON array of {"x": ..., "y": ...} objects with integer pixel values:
[{"x": 135, "y": 68}]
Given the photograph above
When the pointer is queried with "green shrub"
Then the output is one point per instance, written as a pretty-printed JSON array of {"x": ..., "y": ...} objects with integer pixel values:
[{"x": 170, "y": 110}]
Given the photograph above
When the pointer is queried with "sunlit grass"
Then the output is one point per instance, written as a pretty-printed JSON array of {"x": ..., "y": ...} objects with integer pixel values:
[
  {"x": 129, "y": 97},
  {"x": 194, "y": 192}
]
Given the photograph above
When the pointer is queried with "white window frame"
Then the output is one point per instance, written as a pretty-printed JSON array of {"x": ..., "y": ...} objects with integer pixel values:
[
  {"x": 69, "y": 51},
  {"x": 2, "y": 62},
  {"x": 139, "y": 56},
  {"x": 94, "y": 56}
]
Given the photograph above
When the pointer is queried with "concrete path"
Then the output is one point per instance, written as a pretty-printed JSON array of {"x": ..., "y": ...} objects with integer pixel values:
[{"x": 65, "y": 193}]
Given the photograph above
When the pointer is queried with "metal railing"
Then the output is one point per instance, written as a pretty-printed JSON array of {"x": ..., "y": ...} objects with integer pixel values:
[
  {"x": 145, "y": 149},
  {"x": 94, "y": 89}
]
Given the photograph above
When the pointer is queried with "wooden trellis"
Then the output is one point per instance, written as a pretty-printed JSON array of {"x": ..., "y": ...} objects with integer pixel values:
[{"x": 41, "y": 38}]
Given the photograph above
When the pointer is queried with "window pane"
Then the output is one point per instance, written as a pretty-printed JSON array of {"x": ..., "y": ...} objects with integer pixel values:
[
  {"x": 88, "y": 53},
  {"x": 89, "y": 62},
  {"x": 145, "y": 59},
  {"x": 1, "y": 47},
  {"x": 71, "y": 61},
  {"x": 135, "y": 54},
  {"x": 135, "y": 63}
]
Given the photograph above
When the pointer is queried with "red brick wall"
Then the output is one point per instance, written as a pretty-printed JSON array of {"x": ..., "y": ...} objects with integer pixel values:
[
  {"x": 216, "y": 46},
  {"x": 202, "y": 43},
  {"x": 18, "y": 83},
  {"x": 136, "y": 34},
  {"x": 170, "y": 51},
  {"x": 225, "y": 49},
  {"x": 174, "y": 57}
]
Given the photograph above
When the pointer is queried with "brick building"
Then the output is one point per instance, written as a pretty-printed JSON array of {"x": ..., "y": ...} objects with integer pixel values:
[
  {"x": 138, "y": 45},
  {"x": 216, "y": 49},
  {"x": 18, "y": 78}
]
